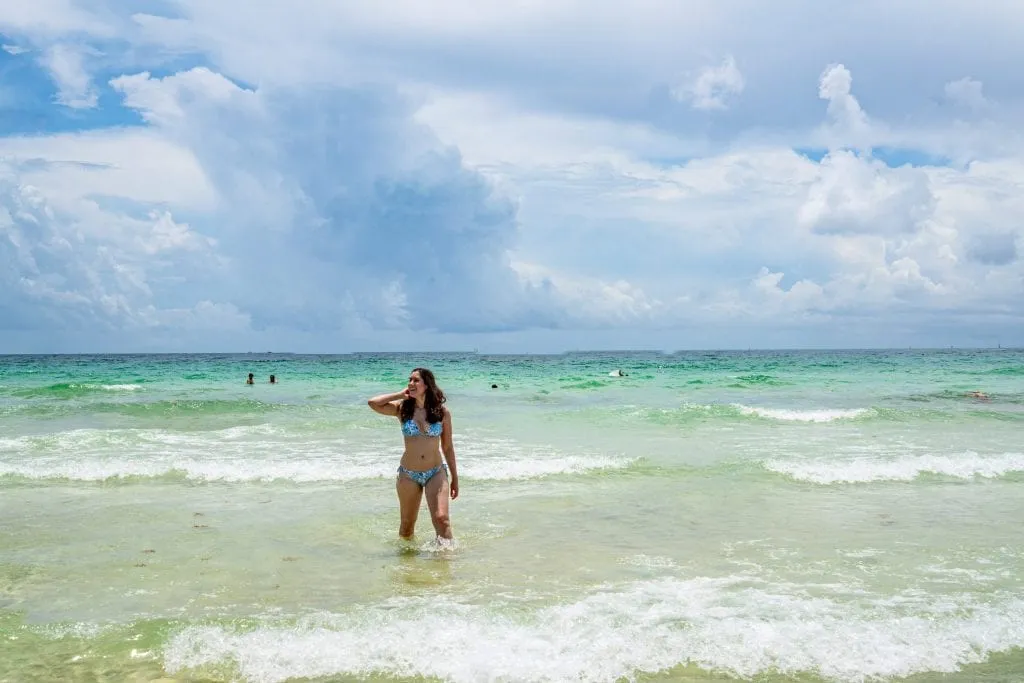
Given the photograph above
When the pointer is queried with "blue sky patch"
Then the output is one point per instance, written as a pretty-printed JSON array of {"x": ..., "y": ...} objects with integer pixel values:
[
  {"x": 894, "y": 157},
  {"x": 28, "y": 101}
]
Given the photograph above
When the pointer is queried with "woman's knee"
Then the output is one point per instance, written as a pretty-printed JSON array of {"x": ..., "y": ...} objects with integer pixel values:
[
  {"x": 406, "y": 529},
  {"x": 440, "y": 519}
]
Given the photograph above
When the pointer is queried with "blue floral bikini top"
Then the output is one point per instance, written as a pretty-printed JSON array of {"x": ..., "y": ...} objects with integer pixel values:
[{"x": 411, "y": 428}]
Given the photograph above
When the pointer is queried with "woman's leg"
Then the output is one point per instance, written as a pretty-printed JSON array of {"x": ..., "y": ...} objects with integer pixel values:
[
  {"x": 436, "y": 491},
  {"x": 409, "y": 496}
]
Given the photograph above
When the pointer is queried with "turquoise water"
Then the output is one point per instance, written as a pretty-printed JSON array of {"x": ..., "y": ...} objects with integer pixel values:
[{"x": 840, "y": 516}]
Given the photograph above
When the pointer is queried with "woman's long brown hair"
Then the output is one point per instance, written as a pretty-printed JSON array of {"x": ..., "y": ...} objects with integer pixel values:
[{"x": 434, "y": 399}]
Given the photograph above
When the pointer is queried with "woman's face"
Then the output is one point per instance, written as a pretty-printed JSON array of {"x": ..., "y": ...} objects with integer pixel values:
[{"x": 417, "y": 387}]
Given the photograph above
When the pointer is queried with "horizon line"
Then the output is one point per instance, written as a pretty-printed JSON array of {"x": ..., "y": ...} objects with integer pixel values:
[{"x": 477, "y": 352}]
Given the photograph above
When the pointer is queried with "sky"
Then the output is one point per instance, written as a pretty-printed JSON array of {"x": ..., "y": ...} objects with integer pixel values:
[{"x": 321, "y": 176}]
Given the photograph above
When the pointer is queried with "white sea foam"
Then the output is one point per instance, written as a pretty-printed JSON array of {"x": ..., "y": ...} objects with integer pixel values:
[
  {"x": 105, "y": 440},
  {"x": 649, "y": 562},
  {"x": 265, "y": 453},
  {"x": 320, "y": 469},
  {"x": 106, "y": 387},
  {"x": 819, "y": 415},
  {"x": 510, "y": 469},
  {"x": 239, "y": 470},
  {"x": 968, "y": 465},
  {"x": 724, "y": 625}
]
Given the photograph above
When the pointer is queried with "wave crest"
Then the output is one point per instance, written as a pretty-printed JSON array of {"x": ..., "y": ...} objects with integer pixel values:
[
  {"x": 969, "y": 465},
  {"x": 818, "y": 415},
  {"x": 742, "y": 628},
  {"x": 265, "y": 453}
]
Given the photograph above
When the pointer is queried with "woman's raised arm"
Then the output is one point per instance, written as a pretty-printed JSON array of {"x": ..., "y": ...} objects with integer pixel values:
[{"x": 387, "y": 404}]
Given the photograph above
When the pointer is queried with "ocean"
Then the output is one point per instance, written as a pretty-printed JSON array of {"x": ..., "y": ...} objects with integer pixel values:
[{"x": 709, "y": 516}]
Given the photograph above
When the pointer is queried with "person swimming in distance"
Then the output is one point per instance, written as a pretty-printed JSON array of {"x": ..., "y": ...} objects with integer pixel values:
[
  {"x": 273, "y": 380},
  {"x": 978, "y": 394},
  {"x": 426, "y": 425},
  {"x": 250, "y": 380}
]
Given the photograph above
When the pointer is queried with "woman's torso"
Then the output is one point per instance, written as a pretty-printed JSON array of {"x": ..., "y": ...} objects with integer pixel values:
[{"x": 422, "y": 441}]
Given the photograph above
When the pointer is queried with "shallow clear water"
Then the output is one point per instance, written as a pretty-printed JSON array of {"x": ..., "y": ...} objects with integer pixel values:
[{"x": 767, "y": 516}]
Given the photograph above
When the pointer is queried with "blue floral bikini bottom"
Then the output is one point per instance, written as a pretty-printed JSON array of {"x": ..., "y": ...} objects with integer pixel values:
[{"x": 421, "y": 477}]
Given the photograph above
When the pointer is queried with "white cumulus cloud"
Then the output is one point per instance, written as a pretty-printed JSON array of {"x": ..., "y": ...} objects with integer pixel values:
[
  {"x": 713, "y": 87},
  {"x": 74, "y": 84},
  {"x": 850, "y": 122},
  {"x": 966, "y": 92}
]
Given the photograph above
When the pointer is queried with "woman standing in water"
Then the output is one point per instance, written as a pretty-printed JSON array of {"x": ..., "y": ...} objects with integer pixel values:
[{"x": 427, "y": 429}]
